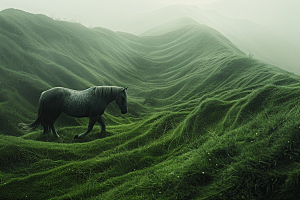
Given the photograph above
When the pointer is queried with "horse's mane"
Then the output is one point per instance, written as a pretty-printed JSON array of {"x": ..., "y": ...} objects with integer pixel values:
[{"x": 106, "y": 92}]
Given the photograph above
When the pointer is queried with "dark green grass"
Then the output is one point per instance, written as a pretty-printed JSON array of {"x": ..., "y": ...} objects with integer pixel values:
[{"x": 205, "y": 121}]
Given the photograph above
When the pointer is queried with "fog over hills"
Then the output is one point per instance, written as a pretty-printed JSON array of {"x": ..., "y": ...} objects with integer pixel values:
[
  {"x": 268, "y": 30},
  {"x": 204, "y": 121},
  {"x": 250, "y": 37},
  {"x": 278, "y": 16}
]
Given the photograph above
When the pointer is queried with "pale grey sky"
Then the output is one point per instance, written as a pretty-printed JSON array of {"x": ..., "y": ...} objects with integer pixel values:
[
  {"x": 79, "y": 10},
  {"x": 281, "y": 16}
]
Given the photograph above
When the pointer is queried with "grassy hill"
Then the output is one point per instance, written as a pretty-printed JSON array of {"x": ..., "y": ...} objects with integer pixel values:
[
  {"x": 248, "y": 36},
  {"x": 205, "y": 121}
]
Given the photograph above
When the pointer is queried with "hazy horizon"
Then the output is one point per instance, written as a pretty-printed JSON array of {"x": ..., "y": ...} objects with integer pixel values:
[{"x": 279, "y": 16}]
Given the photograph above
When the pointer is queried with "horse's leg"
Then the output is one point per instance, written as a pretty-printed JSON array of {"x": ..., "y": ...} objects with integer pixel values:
[
  {"x": 54, "y": 131},
  {"x": 46, "y": 123},
  {"x": 46, "y": 129},
  {"x": 52, "y": 124},
  {"x": 90, "y": 127},
  {"x": 103, "y": 131}
]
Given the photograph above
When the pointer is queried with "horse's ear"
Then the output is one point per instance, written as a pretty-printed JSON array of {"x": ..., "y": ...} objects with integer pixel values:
[{"x": 126, "y": 88}]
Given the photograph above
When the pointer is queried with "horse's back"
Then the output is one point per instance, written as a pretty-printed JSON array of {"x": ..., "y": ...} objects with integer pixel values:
[
  {"x": 77, "y": 103},
  {"x": 53, "y": 98}
]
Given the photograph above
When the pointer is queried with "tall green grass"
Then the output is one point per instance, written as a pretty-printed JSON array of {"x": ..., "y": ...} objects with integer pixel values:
[{"x": 205, "y": 121}]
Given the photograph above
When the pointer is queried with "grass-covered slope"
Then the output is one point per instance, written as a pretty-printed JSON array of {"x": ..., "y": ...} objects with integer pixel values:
[
  {"x": 204, "y": 121},
  {"x": 252, "y": 38}
]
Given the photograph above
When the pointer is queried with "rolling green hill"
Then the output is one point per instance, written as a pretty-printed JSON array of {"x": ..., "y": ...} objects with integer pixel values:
[
  {"x": 250, "y": 37},
  {"x": 205, "y": 121}
]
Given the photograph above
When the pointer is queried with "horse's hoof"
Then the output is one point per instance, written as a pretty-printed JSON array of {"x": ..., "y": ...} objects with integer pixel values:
[
  {"x": 102, "y": 135},
  {"x": 78, "y": 137}
]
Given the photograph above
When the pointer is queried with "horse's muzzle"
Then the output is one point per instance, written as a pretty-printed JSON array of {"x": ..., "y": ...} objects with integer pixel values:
[{"x": 124, "y": 110}]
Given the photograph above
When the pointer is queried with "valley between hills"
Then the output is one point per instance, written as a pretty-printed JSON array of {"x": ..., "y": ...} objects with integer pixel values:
[{"x": 204, "y": 121}]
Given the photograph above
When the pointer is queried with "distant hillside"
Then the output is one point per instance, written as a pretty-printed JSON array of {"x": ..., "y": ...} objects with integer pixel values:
[
  {"x": 251, "y": 38},
  {"x": 38, "y": 53},
  {"x": 205, "y": 120}
]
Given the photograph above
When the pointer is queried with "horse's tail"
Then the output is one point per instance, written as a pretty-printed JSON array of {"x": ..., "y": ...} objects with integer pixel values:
[{"x": 37, "y": 122}]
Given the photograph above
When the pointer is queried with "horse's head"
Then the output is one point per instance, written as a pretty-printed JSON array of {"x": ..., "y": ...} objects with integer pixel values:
[{"x": 121, "y": 100}]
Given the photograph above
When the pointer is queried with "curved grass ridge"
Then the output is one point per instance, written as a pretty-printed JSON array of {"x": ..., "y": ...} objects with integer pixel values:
[{"x": 205, "y": 121}]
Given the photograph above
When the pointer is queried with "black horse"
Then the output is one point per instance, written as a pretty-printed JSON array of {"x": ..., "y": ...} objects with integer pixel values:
[{"x": 85, "y": 103}]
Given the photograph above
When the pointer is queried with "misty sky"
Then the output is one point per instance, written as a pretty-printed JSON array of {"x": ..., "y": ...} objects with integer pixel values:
[{"x": 282, "y": 16}]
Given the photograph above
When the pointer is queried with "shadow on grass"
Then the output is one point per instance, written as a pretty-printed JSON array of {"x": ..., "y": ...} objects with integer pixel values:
[{"x": 66, "y": 135}]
